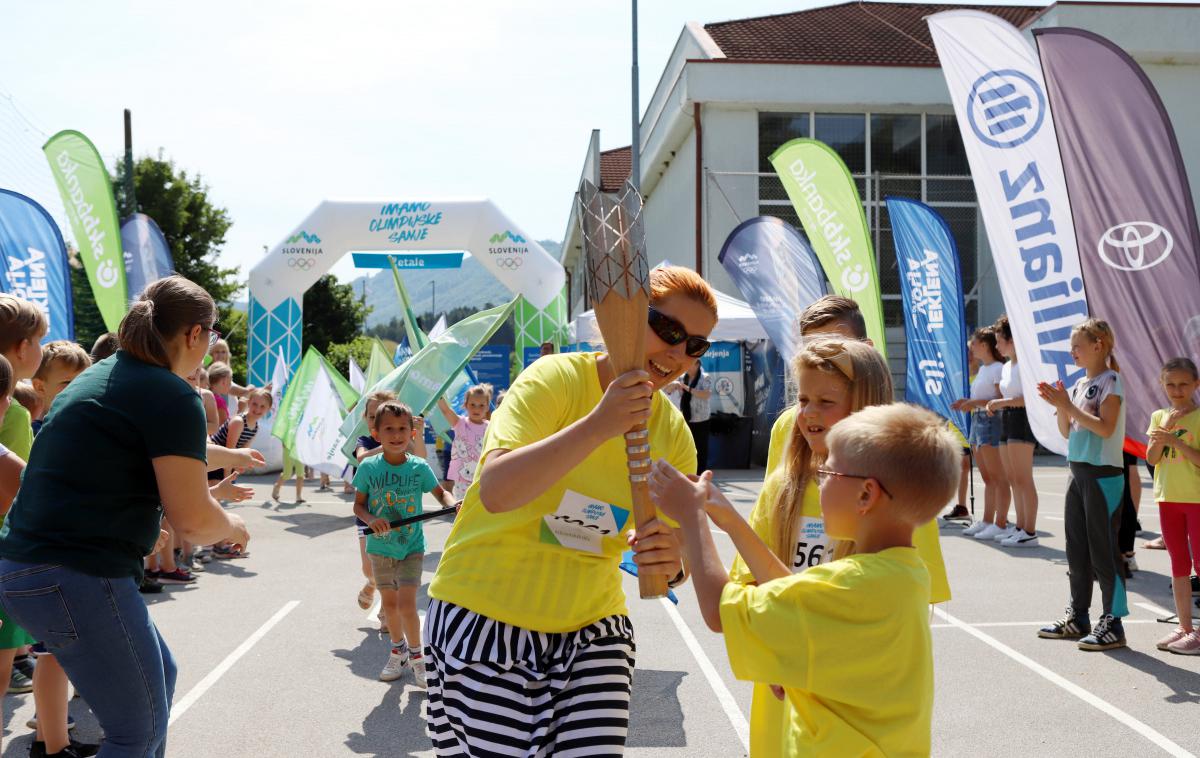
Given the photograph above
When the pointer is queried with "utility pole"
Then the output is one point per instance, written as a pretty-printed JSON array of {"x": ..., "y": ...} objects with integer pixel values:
[
  {"x": 635, "y": 166},
  {"x": 129, "y": 162}
]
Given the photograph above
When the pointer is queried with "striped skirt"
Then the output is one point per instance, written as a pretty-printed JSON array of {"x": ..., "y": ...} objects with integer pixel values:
[{"x": 500, "y": 690}]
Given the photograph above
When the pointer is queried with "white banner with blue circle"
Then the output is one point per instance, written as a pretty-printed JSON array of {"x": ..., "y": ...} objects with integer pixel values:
[
  {"x": 33, "y": 262},
  {"x": 934, "y": 317},
  {"x": 723, "y": 362}
]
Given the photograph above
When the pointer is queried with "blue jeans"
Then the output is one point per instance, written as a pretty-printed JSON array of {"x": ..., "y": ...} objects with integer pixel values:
[{"x": 101, "y": 632}]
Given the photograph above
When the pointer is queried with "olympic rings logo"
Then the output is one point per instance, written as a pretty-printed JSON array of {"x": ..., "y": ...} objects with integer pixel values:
[
  {"x": 304, "y": 264},
  {"x": 509, "y": 263}
]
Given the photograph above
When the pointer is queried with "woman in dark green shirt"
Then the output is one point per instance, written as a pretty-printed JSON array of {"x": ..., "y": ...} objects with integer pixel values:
[{"x": 124, "y": 444}]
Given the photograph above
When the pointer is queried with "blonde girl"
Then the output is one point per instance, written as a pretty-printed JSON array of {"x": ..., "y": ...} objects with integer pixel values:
[
  {"x": 1091, "y": 415},
  {"x": 468, "y": 436}
]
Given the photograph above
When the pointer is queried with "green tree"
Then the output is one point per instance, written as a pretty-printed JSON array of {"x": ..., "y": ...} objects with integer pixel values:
[
  {"x": 195, "y": 231},
  {"x": 339, "y": 353},
  {"x": 332, "y": 314}
]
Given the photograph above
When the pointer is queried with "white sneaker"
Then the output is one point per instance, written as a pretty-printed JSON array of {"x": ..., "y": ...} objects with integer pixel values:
[
  {"x": 1005, "y": 533},
  {"x": 989, "y": 532},
  {"x": 418, "y": 667},
  {"x": 1131, "y": 562},
  {"x": 394, "y": 668},
  {"x": 975, "y": 528},
  {"x": 1020, "y": 538}
]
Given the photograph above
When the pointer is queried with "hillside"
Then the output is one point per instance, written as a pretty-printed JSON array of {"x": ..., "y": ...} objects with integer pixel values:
[{"x": 468, "y": 287}]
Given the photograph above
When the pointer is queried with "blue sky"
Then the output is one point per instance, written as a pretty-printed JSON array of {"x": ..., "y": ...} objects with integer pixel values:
[{"x": 281, "y": 104}]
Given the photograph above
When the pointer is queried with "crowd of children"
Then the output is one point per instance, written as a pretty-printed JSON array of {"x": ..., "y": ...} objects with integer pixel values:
[{"x": 839, "y": 557}]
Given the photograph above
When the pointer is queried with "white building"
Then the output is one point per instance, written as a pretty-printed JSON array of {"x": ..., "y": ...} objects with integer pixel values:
[{"x": 864, "y": 78}]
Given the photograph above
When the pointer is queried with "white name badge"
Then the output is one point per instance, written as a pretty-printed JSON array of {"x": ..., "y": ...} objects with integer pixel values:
[
  {"x": 810, "y": 545},
  {"x": 582, "y": 523}
]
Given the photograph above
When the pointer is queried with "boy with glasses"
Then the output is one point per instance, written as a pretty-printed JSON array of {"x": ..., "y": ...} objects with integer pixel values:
[{"x": 864, "y": 617}]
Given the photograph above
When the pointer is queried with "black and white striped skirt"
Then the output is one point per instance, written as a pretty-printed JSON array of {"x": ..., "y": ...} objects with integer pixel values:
[{"x": 500, "y": 690}]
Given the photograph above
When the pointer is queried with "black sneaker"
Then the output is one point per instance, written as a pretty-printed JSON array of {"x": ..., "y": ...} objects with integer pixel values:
[
  {"x": 18, "y": 683},
  {"x": 25, "y": 664},
  {"x": 959, "y": 512},
  {"x": 149, "y": 586},
  {"x": 1108, "y": 633},
  {"x": 74, "y": 750},
  {"x": 1069, "y": 627}
]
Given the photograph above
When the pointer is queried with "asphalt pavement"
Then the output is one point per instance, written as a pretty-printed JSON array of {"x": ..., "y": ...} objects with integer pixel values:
[{"x": 276, "y": 658}]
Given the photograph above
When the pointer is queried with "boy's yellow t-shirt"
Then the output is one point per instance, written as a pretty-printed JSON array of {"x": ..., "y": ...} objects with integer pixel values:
[
  {"x": 849, "y": 642},
  {"x": 926, "y": 538},
  {"x": 768, "y": 721},
  {"x": 552, "y": 564},
  {"x": 1176, "y": 479}
]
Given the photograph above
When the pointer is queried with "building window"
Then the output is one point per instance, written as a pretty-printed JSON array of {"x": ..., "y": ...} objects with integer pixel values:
[
  {"x": 775, "y": 129},
  {"x": 946, "y": 156},
  {"x": 895, "y": 144},
  {"x": 847, "y": 134},
  {"x": 910, "y": 155}
]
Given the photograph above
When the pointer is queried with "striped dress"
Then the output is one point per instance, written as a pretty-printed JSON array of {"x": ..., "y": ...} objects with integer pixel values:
[
  {"x": 499, "y": 690},
  {"x": 221, "y": 437}
]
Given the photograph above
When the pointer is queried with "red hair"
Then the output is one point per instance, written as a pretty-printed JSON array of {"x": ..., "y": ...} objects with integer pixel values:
[{"x": 666, "y": 281}]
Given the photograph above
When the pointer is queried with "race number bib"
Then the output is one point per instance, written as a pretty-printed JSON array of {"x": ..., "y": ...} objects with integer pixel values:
[
  {"x": 582, "y": 523},
  {"x": 810, "y": 545}
]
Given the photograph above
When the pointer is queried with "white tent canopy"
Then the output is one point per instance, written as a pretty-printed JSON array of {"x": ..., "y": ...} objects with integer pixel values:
[{"x": 735, "y": 322}]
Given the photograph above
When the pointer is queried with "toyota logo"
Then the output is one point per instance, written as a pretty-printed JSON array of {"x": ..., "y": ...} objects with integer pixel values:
[
  {"x": 304, "y": 264},
  {"x": 1005, "y": 108},
  {"x": 1135, "y": 245}
]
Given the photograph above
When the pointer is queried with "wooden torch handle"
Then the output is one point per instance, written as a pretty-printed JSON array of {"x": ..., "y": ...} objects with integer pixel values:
[{"x": 637, "y": 453}]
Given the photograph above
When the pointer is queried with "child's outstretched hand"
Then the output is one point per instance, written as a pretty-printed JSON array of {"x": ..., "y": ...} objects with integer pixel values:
[
  {"x": 248, "y": 457},
  {"x": 418, "y": 426},
  {"x": 230, "y": 490},
  {"x": 716, "y": 505},
  {"x": 675, "y": 493}
]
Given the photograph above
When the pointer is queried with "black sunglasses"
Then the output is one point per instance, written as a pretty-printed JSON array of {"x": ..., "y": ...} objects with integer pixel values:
[{"x": 672, "y": 332}]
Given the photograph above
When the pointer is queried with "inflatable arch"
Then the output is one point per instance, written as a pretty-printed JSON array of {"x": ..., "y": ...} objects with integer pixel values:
[{"x": 338, "y": 227}]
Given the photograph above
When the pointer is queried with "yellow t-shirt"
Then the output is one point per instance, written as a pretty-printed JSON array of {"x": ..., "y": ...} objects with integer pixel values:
[
  {"x": 926, "y": 537},
  {"x": 1176, "y": 479},
  {"x": 544, "y": 566},
  {"x": 768, "y": 719},
  {"x": 780, "y": 432},
  {"x": 849, "y": 642}
]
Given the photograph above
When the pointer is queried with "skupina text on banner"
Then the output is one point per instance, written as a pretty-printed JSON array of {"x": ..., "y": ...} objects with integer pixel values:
[{"x": 999, "y": 97}]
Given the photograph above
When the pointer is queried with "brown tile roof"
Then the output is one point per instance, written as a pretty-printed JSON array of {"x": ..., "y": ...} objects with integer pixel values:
[
  {"x": 854, "y": 34},
  {"x": 615, "y": 167}
]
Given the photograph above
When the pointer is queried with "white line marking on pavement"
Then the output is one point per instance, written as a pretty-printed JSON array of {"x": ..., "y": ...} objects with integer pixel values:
[
  {"x": 1023, "y": 623},
  {"x": 1102, "y": 705},
  {"x": 1156, "y": 610},
  {"x": 188, "y": 700},
  {"x": 724, "y": 696}
]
